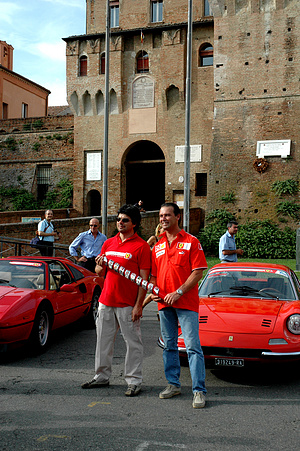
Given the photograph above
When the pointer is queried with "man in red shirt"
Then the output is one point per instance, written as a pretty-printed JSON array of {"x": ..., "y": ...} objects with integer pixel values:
[
  {"x": 178, "y": 262},
  {"x": 120, "y": 303}
]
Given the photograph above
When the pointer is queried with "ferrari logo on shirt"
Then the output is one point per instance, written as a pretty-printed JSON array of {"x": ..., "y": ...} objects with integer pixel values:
[
  {"x": 125, "y": 255},
  {"x": 186, "y": 246},
  {"x": 160, "y": 246}
]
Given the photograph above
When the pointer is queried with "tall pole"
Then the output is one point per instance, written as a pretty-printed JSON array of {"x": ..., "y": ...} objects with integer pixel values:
[
  {"x": 106, "y": 123},
  {"x": 187, "y": 148}
]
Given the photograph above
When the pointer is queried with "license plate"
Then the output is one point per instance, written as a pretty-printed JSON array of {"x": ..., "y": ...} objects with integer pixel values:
[{"x": 229, "y": 362}]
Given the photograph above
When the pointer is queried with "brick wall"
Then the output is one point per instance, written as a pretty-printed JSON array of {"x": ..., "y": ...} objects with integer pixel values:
[{"x": 257, "y": 66}]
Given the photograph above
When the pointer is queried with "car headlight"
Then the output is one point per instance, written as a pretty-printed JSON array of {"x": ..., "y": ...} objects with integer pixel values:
[{"x": 293, "y": 324}]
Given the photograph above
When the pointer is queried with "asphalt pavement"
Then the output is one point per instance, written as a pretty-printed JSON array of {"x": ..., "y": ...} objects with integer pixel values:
[{"x": 42, "y": 405}]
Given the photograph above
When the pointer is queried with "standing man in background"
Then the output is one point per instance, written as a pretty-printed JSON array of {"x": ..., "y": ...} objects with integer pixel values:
[
  {"x": 178, "y": 262},
  {"x": 47, "y": 234},
  {"x": 90, "y": 243},
  {"x": 227, "y": 247}
]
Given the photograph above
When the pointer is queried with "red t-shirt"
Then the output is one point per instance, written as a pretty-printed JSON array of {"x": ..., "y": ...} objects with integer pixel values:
[
  {"x": 133, "y": 254},
  {"x": 172, "y": 266}
]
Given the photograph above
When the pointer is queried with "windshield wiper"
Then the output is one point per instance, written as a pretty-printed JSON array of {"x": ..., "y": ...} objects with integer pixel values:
[
  {"x": 219, "y": 292},
  {"x": 249, "y": 290},
  {"x": 4, "y": 281}
]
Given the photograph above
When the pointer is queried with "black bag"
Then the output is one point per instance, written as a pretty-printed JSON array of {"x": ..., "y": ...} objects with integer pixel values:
[{"x": 35, "y": 242}]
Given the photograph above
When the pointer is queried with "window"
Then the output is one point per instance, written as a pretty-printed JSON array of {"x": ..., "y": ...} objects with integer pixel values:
[
  {"x": 201, "y": 184},
  {"x": 207, "y": 9},
  {"x": 24, "y": 110},
  {"x": 43, "y": 180},
  {"x": 206, "y": 55},
  {"x": 142, "y": 62},
  {"x": 102, "y": 63},
  {"x": 4, "y": 110},
  {"x": 114, "y": 14},
  {"x": 156, "y": 11},
  {"x": 83, "y": 66}
]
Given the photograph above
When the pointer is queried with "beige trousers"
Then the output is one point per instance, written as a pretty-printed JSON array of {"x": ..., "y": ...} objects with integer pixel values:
[{"x": 109, "y": 321}]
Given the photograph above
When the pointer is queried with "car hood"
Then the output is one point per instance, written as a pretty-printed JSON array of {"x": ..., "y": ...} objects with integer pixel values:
[
  {"x": 238, "y": 315},
  {"x": 9, "y": 296}
]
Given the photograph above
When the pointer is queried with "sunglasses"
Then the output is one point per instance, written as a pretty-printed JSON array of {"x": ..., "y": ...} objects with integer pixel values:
[
  {"x": 123, "y": 220},
  {"x": 93, "y": 225}
]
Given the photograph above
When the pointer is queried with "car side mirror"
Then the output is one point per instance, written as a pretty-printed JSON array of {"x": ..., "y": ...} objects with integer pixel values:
[{"x": 67, "y": 288}]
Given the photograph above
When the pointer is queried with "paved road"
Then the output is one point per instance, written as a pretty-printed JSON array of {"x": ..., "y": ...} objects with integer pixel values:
[{"x": 42, "y": 406}]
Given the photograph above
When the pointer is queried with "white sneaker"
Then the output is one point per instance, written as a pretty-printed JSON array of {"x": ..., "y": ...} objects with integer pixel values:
[
  {"x": 170, "y": 391},
  {"x": 199, "y": 400}
]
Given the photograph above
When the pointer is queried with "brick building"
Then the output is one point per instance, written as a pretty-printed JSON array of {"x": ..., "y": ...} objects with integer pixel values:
[
  {"x": 256, "y": 104},
  {"x": 147, "y": 102},
  {"x": 245, "y": 90},
  {"x": 19, "y": 97}
]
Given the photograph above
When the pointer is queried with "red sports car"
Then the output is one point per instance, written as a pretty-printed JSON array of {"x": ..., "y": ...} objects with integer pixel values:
[
  {"x": 40, "y": 294},
  {"x": 248, "y": 312}
]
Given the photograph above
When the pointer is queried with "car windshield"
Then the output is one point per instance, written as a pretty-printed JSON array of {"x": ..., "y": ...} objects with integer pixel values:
[
  {"x": 22, "y": 274},
  {"x": 254, "y": 283}
]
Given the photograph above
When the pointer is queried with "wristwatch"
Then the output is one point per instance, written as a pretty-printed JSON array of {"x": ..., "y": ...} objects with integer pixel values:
[{"x": 179, "y": 291}]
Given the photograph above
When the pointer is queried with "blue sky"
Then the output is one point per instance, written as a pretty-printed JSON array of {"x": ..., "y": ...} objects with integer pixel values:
[{"x": 35, "y": 29}]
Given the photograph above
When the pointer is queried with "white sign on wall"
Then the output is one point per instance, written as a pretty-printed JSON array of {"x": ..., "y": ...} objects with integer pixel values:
[
  {"x": 273, "y": 148},
  {"x": 93, "y": 166},
  {"x": 195, "y": 155}
]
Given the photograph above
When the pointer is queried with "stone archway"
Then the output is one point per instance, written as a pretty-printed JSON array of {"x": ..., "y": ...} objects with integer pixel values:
[
  {"x": 94, "y": 203},
  {"x": 145, "y": 175}
]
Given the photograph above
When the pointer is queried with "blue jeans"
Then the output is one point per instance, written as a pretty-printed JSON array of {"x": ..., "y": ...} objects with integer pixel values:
[{"x": 189, "y": 323}]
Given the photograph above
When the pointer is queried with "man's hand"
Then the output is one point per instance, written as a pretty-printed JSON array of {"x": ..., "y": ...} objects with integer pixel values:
[
  {"x": 137, "y": 312},
  {"x": 82, "y": 259},
  {"x": 170, "y": 298}
]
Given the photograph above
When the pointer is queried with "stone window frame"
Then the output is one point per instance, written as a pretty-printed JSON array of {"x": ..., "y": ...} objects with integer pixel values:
[
  {"x": 142, "y": 59},
  {"x": 206, "y": 52},
  {"x": 102, "y": 64},
  {"x": 114, "y": 14},
  {"x": 83, "y": 65},
  {"x": 156, "y": 11}
]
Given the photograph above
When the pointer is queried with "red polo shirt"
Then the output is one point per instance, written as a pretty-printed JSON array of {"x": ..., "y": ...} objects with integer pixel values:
[
  {"x": 172, "y": 266},
  {"x": 133, "y": 254}
]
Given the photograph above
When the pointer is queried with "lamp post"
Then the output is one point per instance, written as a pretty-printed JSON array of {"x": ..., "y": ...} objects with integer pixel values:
[
  {"x": 106, "y": 123},
  {"x": 187, "y": 147}
]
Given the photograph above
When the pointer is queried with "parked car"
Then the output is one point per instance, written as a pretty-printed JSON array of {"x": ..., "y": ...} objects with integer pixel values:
[
  {"x": 40, "y": 294},
  {"x": 248, "y": 312}
]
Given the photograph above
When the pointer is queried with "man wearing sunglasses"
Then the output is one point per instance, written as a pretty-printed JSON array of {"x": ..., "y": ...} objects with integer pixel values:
[
  {"x": 120, "y": 303},
  {"x": 90, "y": 243}
]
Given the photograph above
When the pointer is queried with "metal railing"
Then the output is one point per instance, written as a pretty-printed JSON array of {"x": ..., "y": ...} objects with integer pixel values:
[{"x": 17, "y": 246}]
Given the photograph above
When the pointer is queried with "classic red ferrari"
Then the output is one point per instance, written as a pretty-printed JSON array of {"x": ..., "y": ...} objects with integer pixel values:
[
  {"x": 248, "y": 312},
  {"x": 40, "y": 294}
]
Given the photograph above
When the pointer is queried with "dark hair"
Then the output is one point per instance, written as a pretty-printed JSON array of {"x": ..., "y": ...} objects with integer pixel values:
[
  {"x": 231, "y": 223},
  {"x": 175, "y": 208},
  {"x": 133, "y": 213}
]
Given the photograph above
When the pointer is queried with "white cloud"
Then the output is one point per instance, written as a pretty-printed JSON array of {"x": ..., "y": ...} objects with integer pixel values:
[
  {"x": 58, "y": 94},
  {"x": 54, "y": 51}
]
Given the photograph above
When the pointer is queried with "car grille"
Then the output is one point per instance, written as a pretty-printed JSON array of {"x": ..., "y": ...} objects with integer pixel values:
[{"x": 233, "y": 352}]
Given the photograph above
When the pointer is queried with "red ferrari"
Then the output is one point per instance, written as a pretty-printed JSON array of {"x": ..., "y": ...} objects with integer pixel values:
[
  {"x": 38, "y": 295},
  {"x": 248, "y": 312}
]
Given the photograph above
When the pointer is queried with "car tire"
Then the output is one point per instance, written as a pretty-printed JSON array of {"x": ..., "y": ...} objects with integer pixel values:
[
  {"x": 92, "y": 315},
  {"x": 40, "y": 333}
]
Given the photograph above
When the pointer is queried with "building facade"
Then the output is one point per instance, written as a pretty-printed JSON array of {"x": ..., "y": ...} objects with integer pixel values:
[
  {"x": 147, "y": 103},
  {"x": 244, "y": 109},
  {"x": 19, "y": 97}
]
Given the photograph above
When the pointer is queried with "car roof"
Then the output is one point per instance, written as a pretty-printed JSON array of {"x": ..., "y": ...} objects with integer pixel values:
[{"x": 246, "y": 265}]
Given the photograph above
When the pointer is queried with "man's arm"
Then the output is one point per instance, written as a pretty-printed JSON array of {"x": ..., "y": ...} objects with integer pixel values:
[
  {"x": 190, "y": 282},
  {"x": 137, "y": 310},
  {"x": 233, "y": 251}
]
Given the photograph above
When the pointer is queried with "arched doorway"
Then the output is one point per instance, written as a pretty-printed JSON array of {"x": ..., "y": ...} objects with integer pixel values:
[
  {"x": 94, "y": 203},
  {"x": 145, "y": 175}
]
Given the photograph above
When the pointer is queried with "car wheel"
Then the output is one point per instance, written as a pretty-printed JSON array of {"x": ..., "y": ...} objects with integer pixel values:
[
  {"x": 92, "y": 315},
  {"x": 41, "y": 329}
]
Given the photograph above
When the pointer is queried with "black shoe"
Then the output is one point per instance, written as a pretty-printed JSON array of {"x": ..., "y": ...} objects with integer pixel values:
[{"x": 94, "y": 384}]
